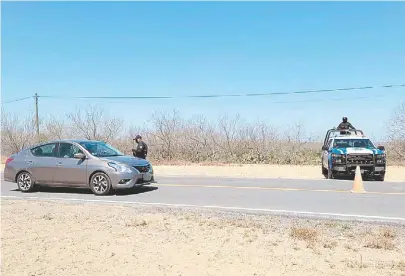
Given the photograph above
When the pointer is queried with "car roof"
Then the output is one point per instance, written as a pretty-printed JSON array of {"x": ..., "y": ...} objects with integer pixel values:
[
  {"x": 64, "y": 141},
  {"x": 82, "y": 141}
]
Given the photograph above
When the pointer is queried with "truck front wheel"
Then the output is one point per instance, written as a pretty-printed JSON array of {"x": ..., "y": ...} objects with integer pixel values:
[
  {"x": 330, "y": 173},
  {"x": 379, "y": 177},
  {"x": 324, "y": 172}
]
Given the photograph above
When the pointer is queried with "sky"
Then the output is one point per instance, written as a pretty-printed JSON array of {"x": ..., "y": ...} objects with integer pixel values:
[{"x": 203, "y": 48}]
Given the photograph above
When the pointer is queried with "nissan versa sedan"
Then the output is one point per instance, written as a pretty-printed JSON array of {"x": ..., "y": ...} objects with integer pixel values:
[{"x": 77, "y": 163}]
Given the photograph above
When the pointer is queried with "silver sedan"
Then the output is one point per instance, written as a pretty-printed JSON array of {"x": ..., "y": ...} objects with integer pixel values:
[{"x": 77, "y": 163}]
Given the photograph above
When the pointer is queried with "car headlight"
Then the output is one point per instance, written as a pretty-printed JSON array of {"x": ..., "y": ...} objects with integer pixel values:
[
  {"x": 335, "y": 155},
  {"x": 119, "y": 168},
  {"x": 380, "y": 156}
]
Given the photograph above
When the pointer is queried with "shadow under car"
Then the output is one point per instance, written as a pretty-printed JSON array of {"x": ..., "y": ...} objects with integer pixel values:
[{"x": 81, "y": 190}]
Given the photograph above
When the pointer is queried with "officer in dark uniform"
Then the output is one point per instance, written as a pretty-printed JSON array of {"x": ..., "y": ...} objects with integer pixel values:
[
  {"x": 141, "y": 150},
  {"x": 345, "y": 124}
]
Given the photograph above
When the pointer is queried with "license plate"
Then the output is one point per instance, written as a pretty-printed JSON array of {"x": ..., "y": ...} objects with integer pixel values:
[{"x": 146, "y": 176}]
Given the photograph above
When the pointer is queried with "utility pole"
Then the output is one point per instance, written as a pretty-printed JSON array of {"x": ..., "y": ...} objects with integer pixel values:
[{"x": 36, "y": 116}]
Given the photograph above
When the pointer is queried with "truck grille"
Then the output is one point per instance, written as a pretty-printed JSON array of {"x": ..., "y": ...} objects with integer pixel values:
[
  {"x": 360, "y": 159},
  {"x": 142, "y": 169}
]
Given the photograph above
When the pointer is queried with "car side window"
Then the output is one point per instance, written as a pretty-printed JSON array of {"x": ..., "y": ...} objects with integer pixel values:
[
  {"x": 67, "y": 150},
  {"x": 47, "y": 150}
]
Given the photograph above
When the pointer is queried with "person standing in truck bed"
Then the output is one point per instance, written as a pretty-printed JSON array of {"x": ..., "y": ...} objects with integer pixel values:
[{"x": 345, "y": 124}]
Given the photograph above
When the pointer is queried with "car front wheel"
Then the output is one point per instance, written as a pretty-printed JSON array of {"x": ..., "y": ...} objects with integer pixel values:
[
  {"x": 25, "y": 182},
  {"x": 100, "y": 184}
]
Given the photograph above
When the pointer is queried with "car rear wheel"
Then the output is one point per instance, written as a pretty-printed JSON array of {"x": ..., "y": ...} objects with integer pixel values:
[
  {"x": 25, "y": 182},
  {"x": 100, "y": 184}
]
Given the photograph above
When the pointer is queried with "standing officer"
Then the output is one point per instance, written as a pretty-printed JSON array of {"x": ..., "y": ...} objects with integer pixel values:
[
  {"x": 141, "y": 150},
  {"x": 345, "y": 124}
]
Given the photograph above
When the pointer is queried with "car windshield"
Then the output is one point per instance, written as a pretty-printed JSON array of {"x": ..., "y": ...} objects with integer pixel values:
[
  {"x": 353, "y": 143},
  {"x": 101, "y": 149}
]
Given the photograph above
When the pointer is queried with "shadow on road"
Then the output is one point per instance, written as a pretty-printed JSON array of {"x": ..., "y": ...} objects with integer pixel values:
[
  {"x": 65, "y": 190},
  {"x": 351, "y": 178},
  {"x": 134, "y": 191}
]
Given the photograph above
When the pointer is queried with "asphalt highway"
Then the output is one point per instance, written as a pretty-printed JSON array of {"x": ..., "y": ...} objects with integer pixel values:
[{"x": 383, "y": 201}]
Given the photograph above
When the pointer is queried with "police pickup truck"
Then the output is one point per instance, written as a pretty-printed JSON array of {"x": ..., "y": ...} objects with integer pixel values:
[{"x": 344, "y": 150}]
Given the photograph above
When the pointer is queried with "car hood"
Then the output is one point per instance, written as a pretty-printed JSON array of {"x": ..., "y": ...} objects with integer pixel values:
[
  {"x": 357, "y": 150},
  {"x": 129, "y": 160}
]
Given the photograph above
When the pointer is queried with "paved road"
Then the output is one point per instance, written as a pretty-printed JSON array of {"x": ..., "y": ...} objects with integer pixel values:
[{"x": 330, "y": 198}]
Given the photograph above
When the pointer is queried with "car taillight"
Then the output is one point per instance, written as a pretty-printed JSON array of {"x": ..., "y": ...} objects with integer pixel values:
[{"x": 9, "y": 160}]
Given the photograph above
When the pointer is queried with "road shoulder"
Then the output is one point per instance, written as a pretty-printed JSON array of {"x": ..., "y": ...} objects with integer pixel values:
[{"x": 157, "y": 241}]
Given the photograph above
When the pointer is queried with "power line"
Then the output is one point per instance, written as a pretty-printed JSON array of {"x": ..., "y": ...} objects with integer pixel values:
[
  {"x": 18, "y": 100},
  {"x": 352, "y": 98},
  {"x": 229, "y": 95},
  {"x": 215, "y": 95}
]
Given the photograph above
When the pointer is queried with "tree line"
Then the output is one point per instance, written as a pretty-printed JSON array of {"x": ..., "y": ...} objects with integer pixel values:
[{"x": 176, "y": 140}]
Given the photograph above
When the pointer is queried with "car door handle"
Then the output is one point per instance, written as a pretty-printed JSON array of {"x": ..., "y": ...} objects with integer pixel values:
[
  {"x": 29, "y": 162},
  {"x": 59, "y": 164}
]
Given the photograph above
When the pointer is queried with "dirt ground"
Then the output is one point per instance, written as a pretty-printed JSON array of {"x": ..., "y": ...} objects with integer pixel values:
[
  {"x": 55, "y": 238},
  {"x": 394, "y": 174}
]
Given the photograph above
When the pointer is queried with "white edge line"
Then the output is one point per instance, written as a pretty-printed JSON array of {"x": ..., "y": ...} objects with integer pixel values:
[{"x": 211, "y": 207}]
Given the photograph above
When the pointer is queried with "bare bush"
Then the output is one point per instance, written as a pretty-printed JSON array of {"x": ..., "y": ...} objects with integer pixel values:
[
  {"x": 397, "y": 133},
  {"x": 16, "y": 133},
  {"x": 94, "y": 124},
  {"x": 54, "y": 129},
  {"x": 172, "y": 139},
  {"x": 229, "y": 141},
  {"x": 167, "y": 131}
]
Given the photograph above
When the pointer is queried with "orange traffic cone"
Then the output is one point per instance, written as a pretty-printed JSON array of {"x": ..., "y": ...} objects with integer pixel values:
[{"x": 358, "y": 186}]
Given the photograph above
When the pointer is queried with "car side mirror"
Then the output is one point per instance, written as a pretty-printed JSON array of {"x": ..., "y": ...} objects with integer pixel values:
[
  {"x": 381, "y": 148},
  {"x": 80, "y": 156},
  {"x": 324, "y": 147}
]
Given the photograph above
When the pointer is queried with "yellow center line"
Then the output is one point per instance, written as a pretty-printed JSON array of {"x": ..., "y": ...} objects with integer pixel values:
[
  {"x": 251, "y": 188},
  {"x": 273, "y": 188}
]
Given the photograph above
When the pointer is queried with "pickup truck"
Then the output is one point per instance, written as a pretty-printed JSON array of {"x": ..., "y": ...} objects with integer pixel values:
[{"x": 344, "y": 150}]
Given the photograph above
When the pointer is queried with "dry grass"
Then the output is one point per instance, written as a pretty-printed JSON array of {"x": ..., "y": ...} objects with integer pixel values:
[
  {"x": 383, "y": 239},
  {"x": 305, "y": 234},
  {"x": 398, "y": 265},
  {"x": 357, "y": 263},
  {"x": 78, "y": 239},
  {"x": 330, "y": 244},
  {"x": 388, "y": 233}
]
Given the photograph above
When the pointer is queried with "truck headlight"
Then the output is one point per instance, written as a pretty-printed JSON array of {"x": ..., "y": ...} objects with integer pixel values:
[
  {"x": 337, "y": 158},
  {"x": 119, "y": 168},
  {"x": 380, "y": 158}
]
